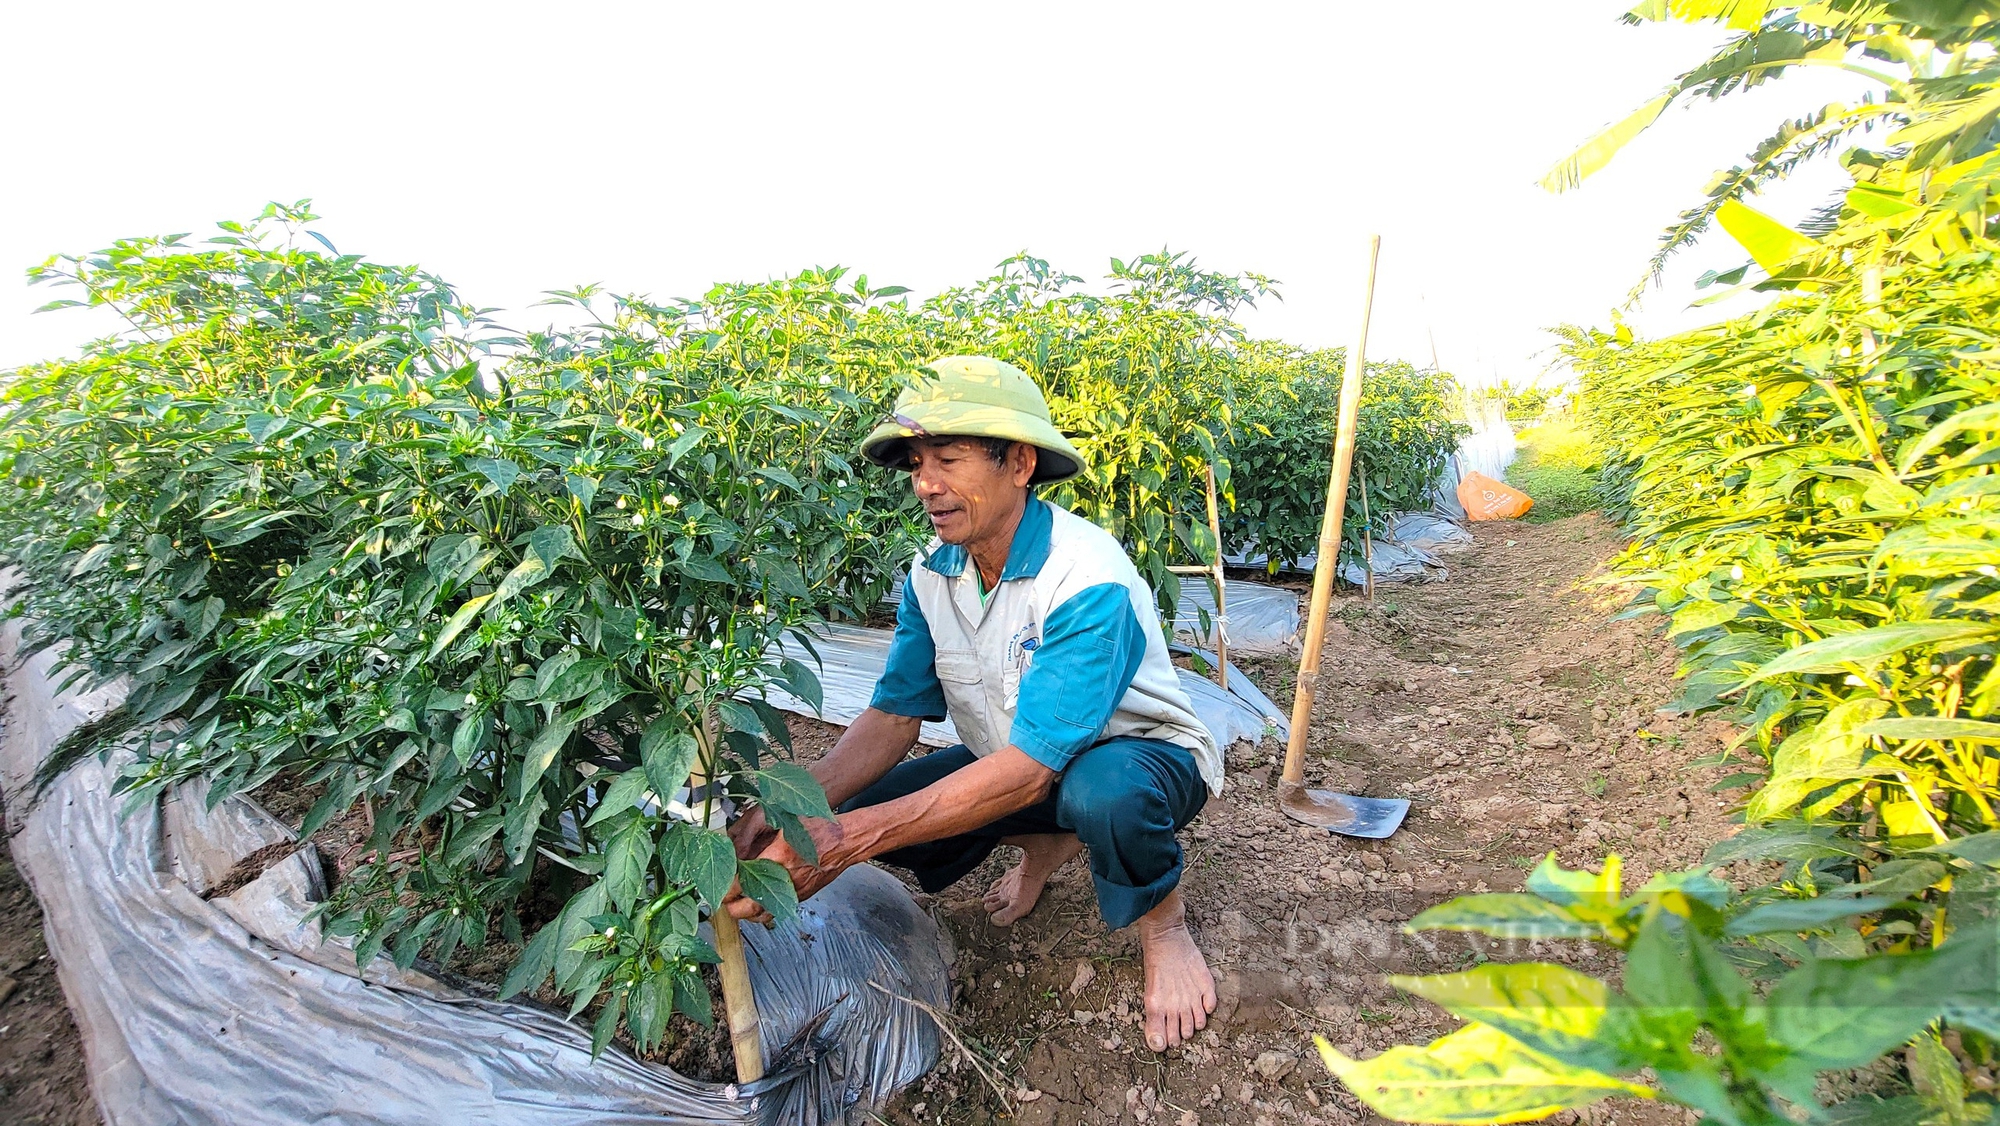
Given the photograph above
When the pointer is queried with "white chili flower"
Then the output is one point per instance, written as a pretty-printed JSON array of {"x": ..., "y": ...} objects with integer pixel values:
[
  {"x": 1736, "y": 572},
  {"x": 648, "y": 443},
  {"x": 638, "y": 519}
]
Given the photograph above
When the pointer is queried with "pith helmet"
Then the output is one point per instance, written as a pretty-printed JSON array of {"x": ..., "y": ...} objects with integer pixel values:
[{"x": 974, "y": 397}]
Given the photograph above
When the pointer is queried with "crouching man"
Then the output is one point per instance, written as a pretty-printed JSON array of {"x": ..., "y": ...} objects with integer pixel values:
[{"x": 1032, "y": 631}]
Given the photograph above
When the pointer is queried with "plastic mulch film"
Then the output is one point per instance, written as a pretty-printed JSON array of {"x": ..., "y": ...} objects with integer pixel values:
[
  {"x": 1428, "y": 532},
  {"x": 1263, "y": 620},
  {"x": 852, "y": 659},
  {"x": 196, "y": 1007}
]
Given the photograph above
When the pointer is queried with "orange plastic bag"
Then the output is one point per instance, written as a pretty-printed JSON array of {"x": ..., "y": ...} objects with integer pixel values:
[{"x": 1487, "y": 499}]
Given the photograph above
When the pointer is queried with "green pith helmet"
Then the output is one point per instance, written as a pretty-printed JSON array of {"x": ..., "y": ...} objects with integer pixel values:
[{"x": 974, "y": 397}]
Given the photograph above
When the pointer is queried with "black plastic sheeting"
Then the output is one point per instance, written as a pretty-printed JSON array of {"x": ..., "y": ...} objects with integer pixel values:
[{"x": 228, "y": 1009}]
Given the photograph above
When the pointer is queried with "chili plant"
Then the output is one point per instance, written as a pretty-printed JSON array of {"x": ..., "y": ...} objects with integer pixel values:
[
  {"x": 506, "y": 609},
  {"x": 1287, "y": 409},
  {"x": 1722, "y": 1005}
]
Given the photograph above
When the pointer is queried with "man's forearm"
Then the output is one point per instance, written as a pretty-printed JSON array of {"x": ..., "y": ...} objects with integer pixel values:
[
  {"x": 1004, "y": 782},
  {"x": 871, "y": 745}
]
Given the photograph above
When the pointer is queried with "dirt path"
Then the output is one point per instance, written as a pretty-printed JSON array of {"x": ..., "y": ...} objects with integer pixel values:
[
  {"x": 41, "y": 1061},
  {"x": 1516, "y": 715}
]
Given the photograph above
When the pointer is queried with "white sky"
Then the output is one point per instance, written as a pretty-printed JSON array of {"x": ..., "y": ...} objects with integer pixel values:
[{"x": 660, "y": 147}]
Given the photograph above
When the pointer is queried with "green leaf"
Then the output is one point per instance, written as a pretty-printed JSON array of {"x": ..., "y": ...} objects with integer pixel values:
[
  {"x": 652, "y": 1004},
  {"x": 668, "y": 753},
  {"x": 626, "y": 858},
  {"x": 679, "y": 447},
  {"x": 1595, "y": 891},
  {"x": 1700, "y": 615},
  {"x": 607, "y": 1024},
  {"x": 536, "y": 960},
  {"x": 457, "y": 623},
  {"x": 1476, "y": 1075},
  {"x": 1551, "y": 1009},
  {"x": 263, "y": 427},
  {"x": 623, "y": 794},
  {"x": 579, "y": 679},
  {"x": 1869, "y": 645},
  {"x": 796, "y": 835},
  {"x": 1785, "y": 841},
  {"x": 802, "y": 682},
  {"x": 790, "y": 788},
  {"x": 550, "y": 543},
  {"x": 501, "y": 472},
  {"x": 1597, "y": 152},
  {"x": 525, "y": 574},
  {"x": 573, "y": 924},
  {"x": 583, "y": 488},
  {"x": 1503, "y": 915},
  {"x": 703, "y": 859},
  {"x": 1933, "y": 727},
  {"x": 691, "y": 997},
  {"x": 466, "y": 740},
  {"x": 1980, "y": 848},
  {"x": 767, "y": 882},
  {"x": 523, "y": 819},
  {"x": 91, "y": 560},
  {"x": 1770, "y": 243},
  {"x": 1900, "y": 879},
  {"x": 542, "y": 752},
  {"x": 738, "y": 716},
  {"x": 1840, "y": 1014},
  {"x": 1793, "y": 915}
]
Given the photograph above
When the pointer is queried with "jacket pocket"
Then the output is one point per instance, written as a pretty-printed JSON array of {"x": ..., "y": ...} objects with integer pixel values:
[{"x": 964, "y": 687}]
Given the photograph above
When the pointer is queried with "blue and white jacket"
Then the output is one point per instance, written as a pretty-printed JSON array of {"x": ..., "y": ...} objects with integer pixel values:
[{"x": 1066, "y": 653}]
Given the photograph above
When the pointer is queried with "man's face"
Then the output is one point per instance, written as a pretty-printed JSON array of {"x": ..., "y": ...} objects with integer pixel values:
[{"x": 968, "y": 495}]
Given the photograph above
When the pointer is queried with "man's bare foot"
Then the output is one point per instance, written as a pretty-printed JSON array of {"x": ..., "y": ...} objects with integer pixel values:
[
  {"x": 1180, "y": 992},
  {"x": 1014, "y": 894}
]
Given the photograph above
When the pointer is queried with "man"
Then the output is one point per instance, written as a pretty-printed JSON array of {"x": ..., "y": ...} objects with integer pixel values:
[{"x": 1031, "y": 629}]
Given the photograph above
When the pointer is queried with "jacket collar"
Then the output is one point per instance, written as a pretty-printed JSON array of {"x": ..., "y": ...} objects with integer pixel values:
[{"x": 1025, "y": 556}]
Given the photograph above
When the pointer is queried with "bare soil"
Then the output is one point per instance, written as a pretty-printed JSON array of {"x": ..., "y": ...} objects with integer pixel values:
[
  {"x": 42, "y": 1081},
  {"x": 1517, "y": 716}
]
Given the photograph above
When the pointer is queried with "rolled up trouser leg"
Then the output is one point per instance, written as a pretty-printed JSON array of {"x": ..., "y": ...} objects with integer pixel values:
[{"x": 1125, "y": 799}]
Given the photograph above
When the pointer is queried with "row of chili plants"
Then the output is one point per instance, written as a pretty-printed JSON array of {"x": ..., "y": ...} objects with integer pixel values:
[
  {"x": 504, "y": 595},
  {"x": 1817, "y": 523}
]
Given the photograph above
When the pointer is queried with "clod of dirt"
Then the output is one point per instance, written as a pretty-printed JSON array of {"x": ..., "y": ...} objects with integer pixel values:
[
  {"x": 1546, "y": 737},
  {"x": 1085, "y": 974},
  {"x": 1275, "y": 1065}
]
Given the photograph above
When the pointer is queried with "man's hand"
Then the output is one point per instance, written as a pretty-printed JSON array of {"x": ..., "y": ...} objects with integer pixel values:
[
  {"x": 751, "y": 833},
  {"x": 828, "y": 838}
]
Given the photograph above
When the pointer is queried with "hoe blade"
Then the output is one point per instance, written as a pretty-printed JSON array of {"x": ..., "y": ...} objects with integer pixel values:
[{"x": 1346, "y": 814}]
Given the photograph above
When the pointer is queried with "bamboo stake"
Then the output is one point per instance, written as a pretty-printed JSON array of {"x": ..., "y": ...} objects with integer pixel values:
[
  {"x": 746, "y": 1038},
  {"x": 739, "y": 1004},
  {"x": 1367, "y": 538},
  {"x": 1221, "y": 582},
  {"x": 1329, "y": 533}
]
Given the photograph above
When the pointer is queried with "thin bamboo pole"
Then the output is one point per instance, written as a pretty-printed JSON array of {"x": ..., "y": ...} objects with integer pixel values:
[
  {"x": 746, "y": 1038},
  {"x": 1329, "y": 533},
  {"x": 1367, "y": 536},
  {"x": 739, "y": 1004},
  {"x": 1221, "y": 585}
]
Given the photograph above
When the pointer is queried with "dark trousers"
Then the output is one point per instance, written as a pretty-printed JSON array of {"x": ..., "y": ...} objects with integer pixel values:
[{"x": 1124, "y": 799}]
